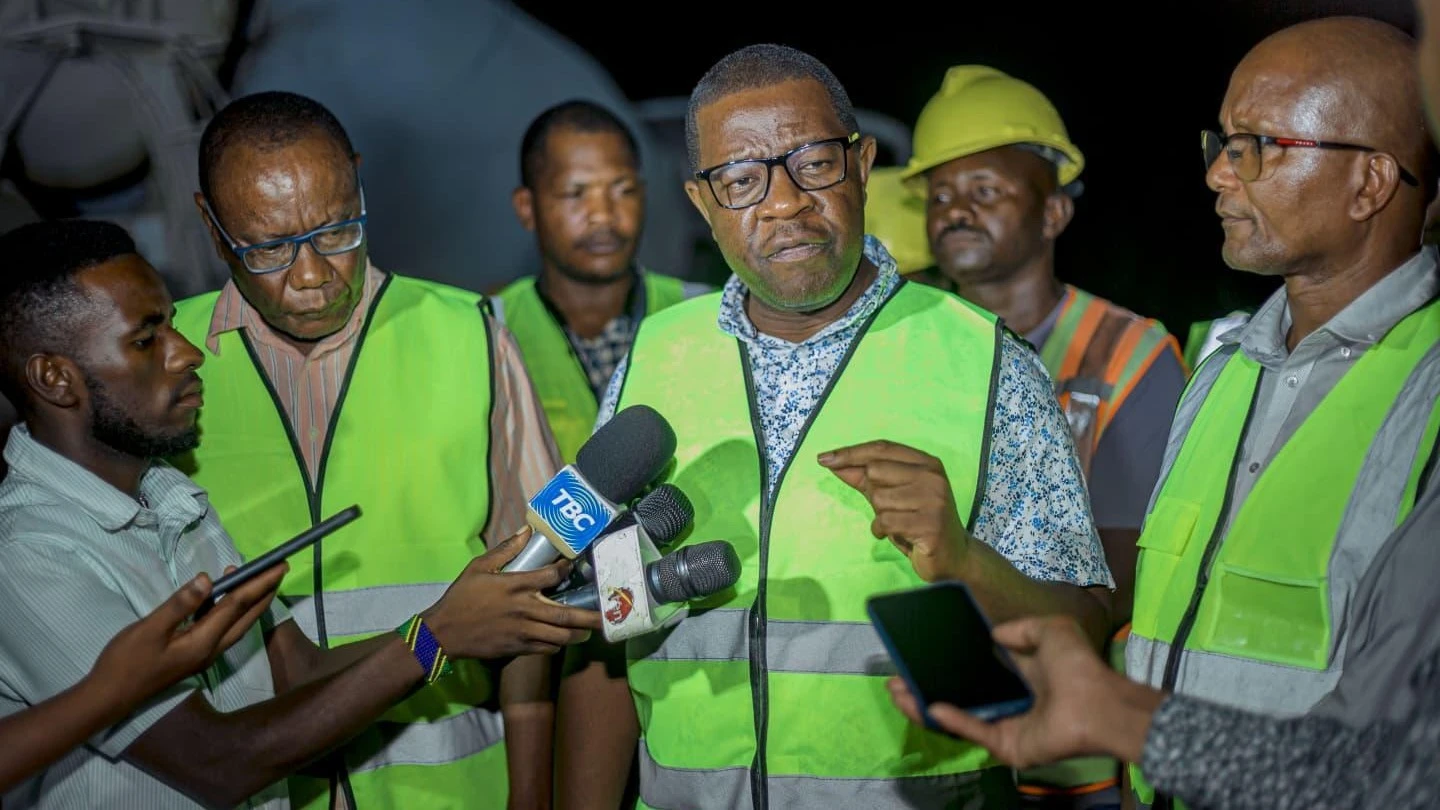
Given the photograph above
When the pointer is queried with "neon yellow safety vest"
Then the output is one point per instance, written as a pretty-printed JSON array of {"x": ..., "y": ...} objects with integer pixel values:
[
  {"x": 409, "y": 442},
  {"x": 1097, "y": 353},
  {"x": 1258, "y": 610},
  {"x": 560, "y": 380},
  {"x": 772, "y": 694}
]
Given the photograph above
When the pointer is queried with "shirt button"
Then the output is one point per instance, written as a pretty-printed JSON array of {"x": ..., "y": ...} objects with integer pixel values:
[
  {"x": 314, "y": 433},
  {"x": 1292, "y": 381},
  {"x": 1254, "y": 467},
  {"x": 1345, "y": 352}
]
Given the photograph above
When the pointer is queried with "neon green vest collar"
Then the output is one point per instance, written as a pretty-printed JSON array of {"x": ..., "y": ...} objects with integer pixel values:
[{"x": 559, "y": 379}]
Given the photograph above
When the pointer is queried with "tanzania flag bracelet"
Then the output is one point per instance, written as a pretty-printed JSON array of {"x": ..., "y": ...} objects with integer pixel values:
[{"x": 426, "y": 649}]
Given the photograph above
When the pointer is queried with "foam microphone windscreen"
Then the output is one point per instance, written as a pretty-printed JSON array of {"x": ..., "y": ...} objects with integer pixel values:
[
  {"x": 664, "y": 512},
  {"x": 693, "y": 572},
  {"x": 625, "y": 455}
]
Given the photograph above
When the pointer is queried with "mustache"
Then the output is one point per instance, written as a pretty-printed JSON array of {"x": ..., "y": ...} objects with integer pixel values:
[
  {"x": 192, "y": 385},
  {"x": 794, "y": 236},
  {"x": 961, "y": 227},
  {"x": 601, "y": 237}
]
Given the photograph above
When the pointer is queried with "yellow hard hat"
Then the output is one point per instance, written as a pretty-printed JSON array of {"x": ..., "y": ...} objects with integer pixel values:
[
  {"x": 980, "y": 108},
  {"x": 896, "y": 217}
]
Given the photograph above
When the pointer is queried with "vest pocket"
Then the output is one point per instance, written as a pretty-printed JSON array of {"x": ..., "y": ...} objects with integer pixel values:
[
  {"x": 1264, "y": 616},
  {"x": 1162, "y": 544}
]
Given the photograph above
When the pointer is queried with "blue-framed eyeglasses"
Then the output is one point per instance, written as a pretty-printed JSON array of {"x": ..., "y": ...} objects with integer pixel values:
[{"x": 278, "y": 254}]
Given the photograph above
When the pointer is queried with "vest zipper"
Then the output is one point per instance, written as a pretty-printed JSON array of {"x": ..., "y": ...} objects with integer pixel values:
[
  {"x": 1202, "y": 579},
  {"x": 314, "y": 492},
  {"x": 759, "y": 618},
  {"x": 759, "y": 680}
]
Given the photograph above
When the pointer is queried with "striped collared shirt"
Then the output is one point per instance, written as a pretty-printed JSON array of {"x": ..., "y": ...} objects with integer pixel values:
[
  {"x": 79, "y": 562},
  {"x": 523, "y": 453}
]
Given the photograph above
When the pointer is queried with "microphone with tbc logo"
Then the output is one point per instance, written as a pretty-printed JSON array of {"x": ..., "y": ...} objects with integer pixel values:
[{"x": 612, "y": 467}]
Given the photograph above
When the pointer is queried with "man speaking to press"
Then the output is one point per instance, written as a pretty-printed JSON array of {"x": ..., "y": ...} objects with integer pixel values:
[{"x": 764, "y": 696}]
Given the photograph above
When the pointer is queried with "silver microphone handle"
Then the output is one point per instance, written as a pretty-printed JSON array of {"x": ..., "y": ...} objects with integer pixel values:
[
  {"x": 586, "y": 597},
  {"x": 538, "y": 553}
]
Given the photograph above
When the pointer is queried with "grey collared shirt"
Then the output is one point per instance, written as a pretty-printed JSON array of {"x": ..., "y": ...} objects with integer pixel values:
[
  {"x": 1390, "y": 624},
  {"x": 80, "y": 561},
  {"x": 1292, "y": 384}
]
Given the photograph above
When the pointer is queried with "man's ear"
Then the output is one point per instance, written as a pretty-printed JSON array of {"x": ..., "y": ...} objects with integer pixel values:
[
  {"x": 222, "y": 248},
  {"x": 523, "y": 200},
  {"x": 1059, "y": 210},
  {"x": 693, "y": 190},
  {"x": 55, "y": 379},
  {"x": 867, "y": 157}
]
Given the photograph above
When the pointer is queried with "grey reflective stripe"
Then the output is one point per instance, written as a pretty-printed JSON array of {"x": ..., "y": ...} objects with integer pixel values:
[
  {"x": 715, "y": 635},
  {"x": 1241, "y": 682},
  {"x": 446, "y": 740},
  {"x": 665, "y": 788},
  {"x": 848, "y": 648},
  {"x": 692, "y": 789},
  {"x": 366, "y": 611},
  {"x": 844, "y": 648},
  {"x": 1371, "y": 514}
]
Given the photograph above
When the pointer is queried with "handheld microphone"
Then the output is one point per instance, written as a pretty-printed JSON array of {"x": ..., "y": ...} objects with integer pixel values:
[
  {"x": 637, "y": 591},
  {"x": 690, "y": 573},
  {"x": 577, "y": 505},
  {"x": 663, "y": 514}
]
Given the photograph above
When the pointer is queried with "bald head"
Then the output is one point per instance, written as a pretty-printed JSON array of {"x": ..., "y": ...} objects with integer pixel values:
[
  {"x": 1326, "y": 163},
  {"x": 1348, "y": 79}
]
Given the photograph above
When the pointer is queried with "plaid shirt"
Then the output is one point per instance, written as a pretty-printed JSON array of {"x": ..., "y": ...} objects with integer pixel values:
[{"x": 602, "y": 353}]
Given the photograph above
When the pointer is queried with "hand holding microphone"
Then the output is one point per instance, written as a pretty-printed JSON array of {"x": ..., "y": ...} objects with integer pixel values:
[
  {"x": 493, "y": 609},
  {"x": 486, "y": 614}
]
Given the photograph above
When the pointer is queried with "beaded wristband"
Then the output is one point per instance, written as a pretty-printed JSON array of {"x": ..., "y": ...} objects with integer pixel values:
[{"x": 426, "y": 649}]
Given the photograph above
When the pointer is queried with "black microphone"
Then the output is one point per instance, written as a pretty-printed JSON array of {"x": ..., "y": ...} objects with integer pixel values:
[
  {"x": 580, "y": 502},
  {"x": 663, "y": 513},
  {"x": 689, "y": 573}
]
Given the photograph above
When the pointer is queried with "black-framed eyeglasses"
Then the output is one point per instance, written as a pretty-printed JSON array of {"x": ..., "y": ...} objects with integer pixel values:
[
  {"x": 812, "y": 167},
  {"x": 278, "y": 254},
  {"x": 1243, "y": 149}
]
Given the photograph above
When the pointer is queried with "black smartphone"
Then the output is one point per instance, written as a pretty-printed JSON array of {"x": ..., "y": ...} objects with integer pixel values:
[
  {"x": 940, "y": 642},
  {"x": 260, "y": 564}
]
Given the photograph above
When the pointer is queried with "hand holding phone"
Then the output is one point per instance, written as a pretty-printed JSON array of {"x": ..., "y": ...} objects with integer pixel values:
[
  {"x": 269, "y": 559},
  {"x": 941, "y": 644},
  {"x": 1082, "y": 706}
]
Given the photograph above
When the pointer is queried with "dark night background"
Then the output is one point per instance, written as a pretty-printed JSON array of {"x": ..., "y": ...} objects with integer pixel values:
[{"x": 1135, "y": 84}]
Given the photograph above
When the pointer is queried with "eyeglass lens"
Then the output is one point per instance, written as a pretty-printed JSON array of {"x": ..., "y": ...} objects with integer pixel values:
[{"x": 812, "y": 168}]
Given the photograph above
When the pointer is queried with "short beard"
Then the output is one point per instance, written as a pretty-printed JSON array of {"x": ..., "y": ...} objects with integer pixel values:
[{"x": 113, "y": 427}]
